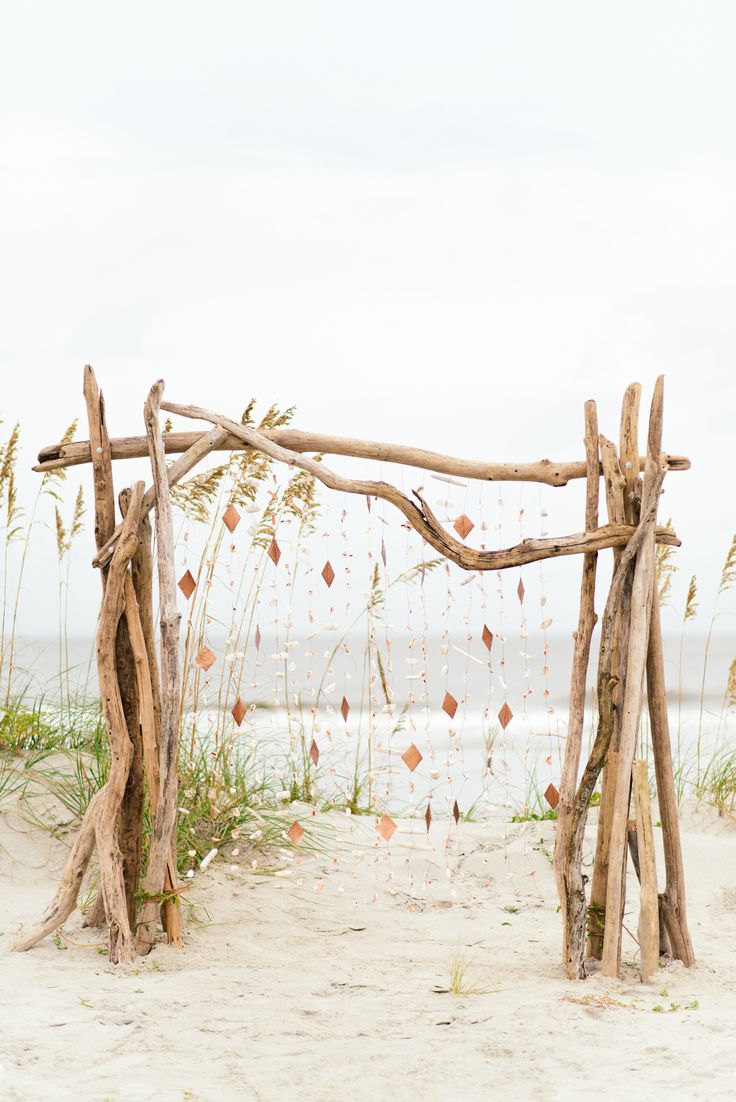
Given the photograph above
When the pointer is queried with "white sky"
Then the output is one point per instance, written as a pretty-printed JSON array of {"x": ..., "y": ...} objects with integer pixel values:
[{"x": 447, "y": 224}]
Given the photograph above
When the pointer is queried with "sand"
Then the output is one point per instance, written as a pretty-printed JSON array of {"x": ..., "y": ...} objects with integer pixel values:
[{"x": 289, "y": 990}]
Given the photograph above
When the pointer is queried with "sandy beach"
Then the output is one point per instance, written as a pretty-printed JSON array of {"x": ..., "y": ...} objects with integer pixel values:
[{"x": 302, "y": 986}]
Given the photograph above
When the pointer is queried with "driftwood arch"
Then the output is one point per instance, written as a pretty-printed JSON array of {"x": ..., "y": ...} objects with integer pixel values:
[{"x": 140, "y": 688}]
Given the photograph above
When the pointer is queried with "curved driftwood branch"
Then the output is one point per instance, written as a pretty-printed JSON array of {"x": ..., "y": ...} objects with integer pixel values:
[
  {"x": 99, "y": 822},
  {"x": 544, "y": 470},
  {"x": 418, "y": 513}
]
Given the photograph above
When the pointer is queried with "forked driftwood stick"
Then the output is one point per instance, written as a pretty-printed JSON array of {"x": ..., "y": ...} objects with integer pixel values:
[
  {"x": 649, "y": 907},
  {"x": 641, "y": 610},
  {"x": 164, "y": 822},
  {"x": 420, "y": 516},
  {"x": 136, "y": 447},
  {"x": 99, "y": 821},
  {"x": 581, "y": 655},
  {"x": 575, "y": 917},
  {"x": 202, "y": 446}
]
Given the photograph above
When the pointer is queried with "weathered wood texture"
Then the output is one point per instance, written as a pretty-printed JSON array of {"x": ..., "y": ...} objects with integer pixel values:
[
  {"x": 673, "y": 899},
  {"x": 201, "y": 447},
  {"x": 164, "y": 822},
  {"x": 418, "y": 513},
  {"x": 648, "y": 930},
  {"x": 578, "y": 679},
  {"x": 544, "y": 471},
  {"x": 100, "y": 820},
  {"x": 619, "y": 489},
  {"x": 131, "y": 815},
  {"x": 641, "y": 610},
  {"x": 574, "y": 940}
]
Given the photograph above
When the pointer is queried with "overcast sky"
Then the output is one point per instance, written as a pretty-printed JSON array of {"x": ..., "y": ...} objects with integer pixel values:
[{"x": 439, "y": 223}]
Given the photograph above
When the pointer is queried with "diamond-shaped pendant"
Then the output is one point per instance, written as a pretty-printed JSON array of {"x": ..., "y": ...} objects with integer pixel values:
[
  {"x": 187, "y": 584},
  {"x": 487, "y": 637},
  {"x": 386, "y": 827},
  {"x": 344, "y": 709},
  {"x": 231, "y": 518},
  {"x": 449, "y": 705},
  {"x": 295, "y": 833},
  {"x": 463, "y": 526},
  {"x": 328, "y": 574},
  {"x": 205, "y": 659},
  {"x": 412, "y": 757},
  {"x": 505, "y": 715},
  {"x": 274, "y": 552},
  {"x": 552, "y": 796},
  {"x": 239, "y": 711}
]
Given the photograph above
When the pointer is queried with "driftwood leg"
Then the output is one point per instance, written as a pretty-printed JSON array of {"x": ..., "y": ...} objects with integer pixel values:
[
  {"x": 121, "y": 749},
  {"x": 164, "y": 825},
  {"x": 581, "y": 655},
  {"x": 172, "y": 914},
  {"x": 641, "y": 605},
  {"x": 621, "y": 483},
  {"x": 672, "y": 900},
  {"x": 649, "y": 905},
  {"x": 131, "y": 815}
]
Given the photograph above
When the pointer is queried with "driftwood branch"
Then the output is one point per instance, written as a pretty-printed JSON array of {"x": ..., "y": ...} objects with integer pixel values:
[
  {"x": 164, "y": 822},
  {"x": 544, "y": 471},
  {"x": 581, "y": 655},
  {"x": 99, "y": 821},
  {"x": 649, "y": 907},
  {"x": 419, "y": 514}
]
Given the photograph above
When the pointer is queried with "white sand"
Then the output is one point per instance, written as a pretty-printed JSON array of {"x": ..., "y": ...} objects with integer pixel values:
[{"x": 288, "y": 993}]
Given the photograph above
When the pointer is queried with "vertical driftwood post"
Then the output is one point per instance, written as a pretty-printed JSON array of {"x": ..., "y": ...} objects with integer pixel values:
[
  {"x": 121, "y": 750},
  {"x": 164, "y": 825},
  {"x": 649, "y": 906},
  {"x": 672, "y": 900},
  {"x": 615, "y": 485},
  {"x": 581, "y": 656},
  {"x": 131, "y": 816},
  {"x": 641, "y": 609}
]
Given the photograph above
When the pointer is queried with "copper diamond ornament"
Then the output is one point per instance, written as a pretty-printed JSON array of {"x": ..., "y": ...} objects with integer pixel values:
[
  {"x": 386, "y": 827},
  {"x": 274, "y": 552},
  {"x": 205, "y": 659},
  {"x": 428, "y": 817},
  {"x": 463, "y": 526},
  {"x": 344, "y": 709},
  {"x": 258, "y": 638},
  {"x": 456, "y": 812},
  {"x": 314, "y": 752},
  {"x": 295, "y": 833},
  {"x": 231, "y": 518},
  {"x": 187, "y": 584},
  {"x": 552, "y": 796},
  {"x": 505, "y": 716},
  {"x": 328, "y": 574},
  {"x": 449, "y": 705},
  {"x": 520, "y": 591},
  {"x": 487, "y": 637},
  {"x": 383, "y": 552},
  {"x": 239, "y": 710},
  {"x": 411, "y": 757}
]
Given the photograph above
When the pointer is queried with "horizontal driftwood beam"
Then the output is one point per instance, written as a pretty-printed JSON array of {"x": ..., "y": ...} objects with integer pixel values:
[{"x": 545, "y": 471}]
